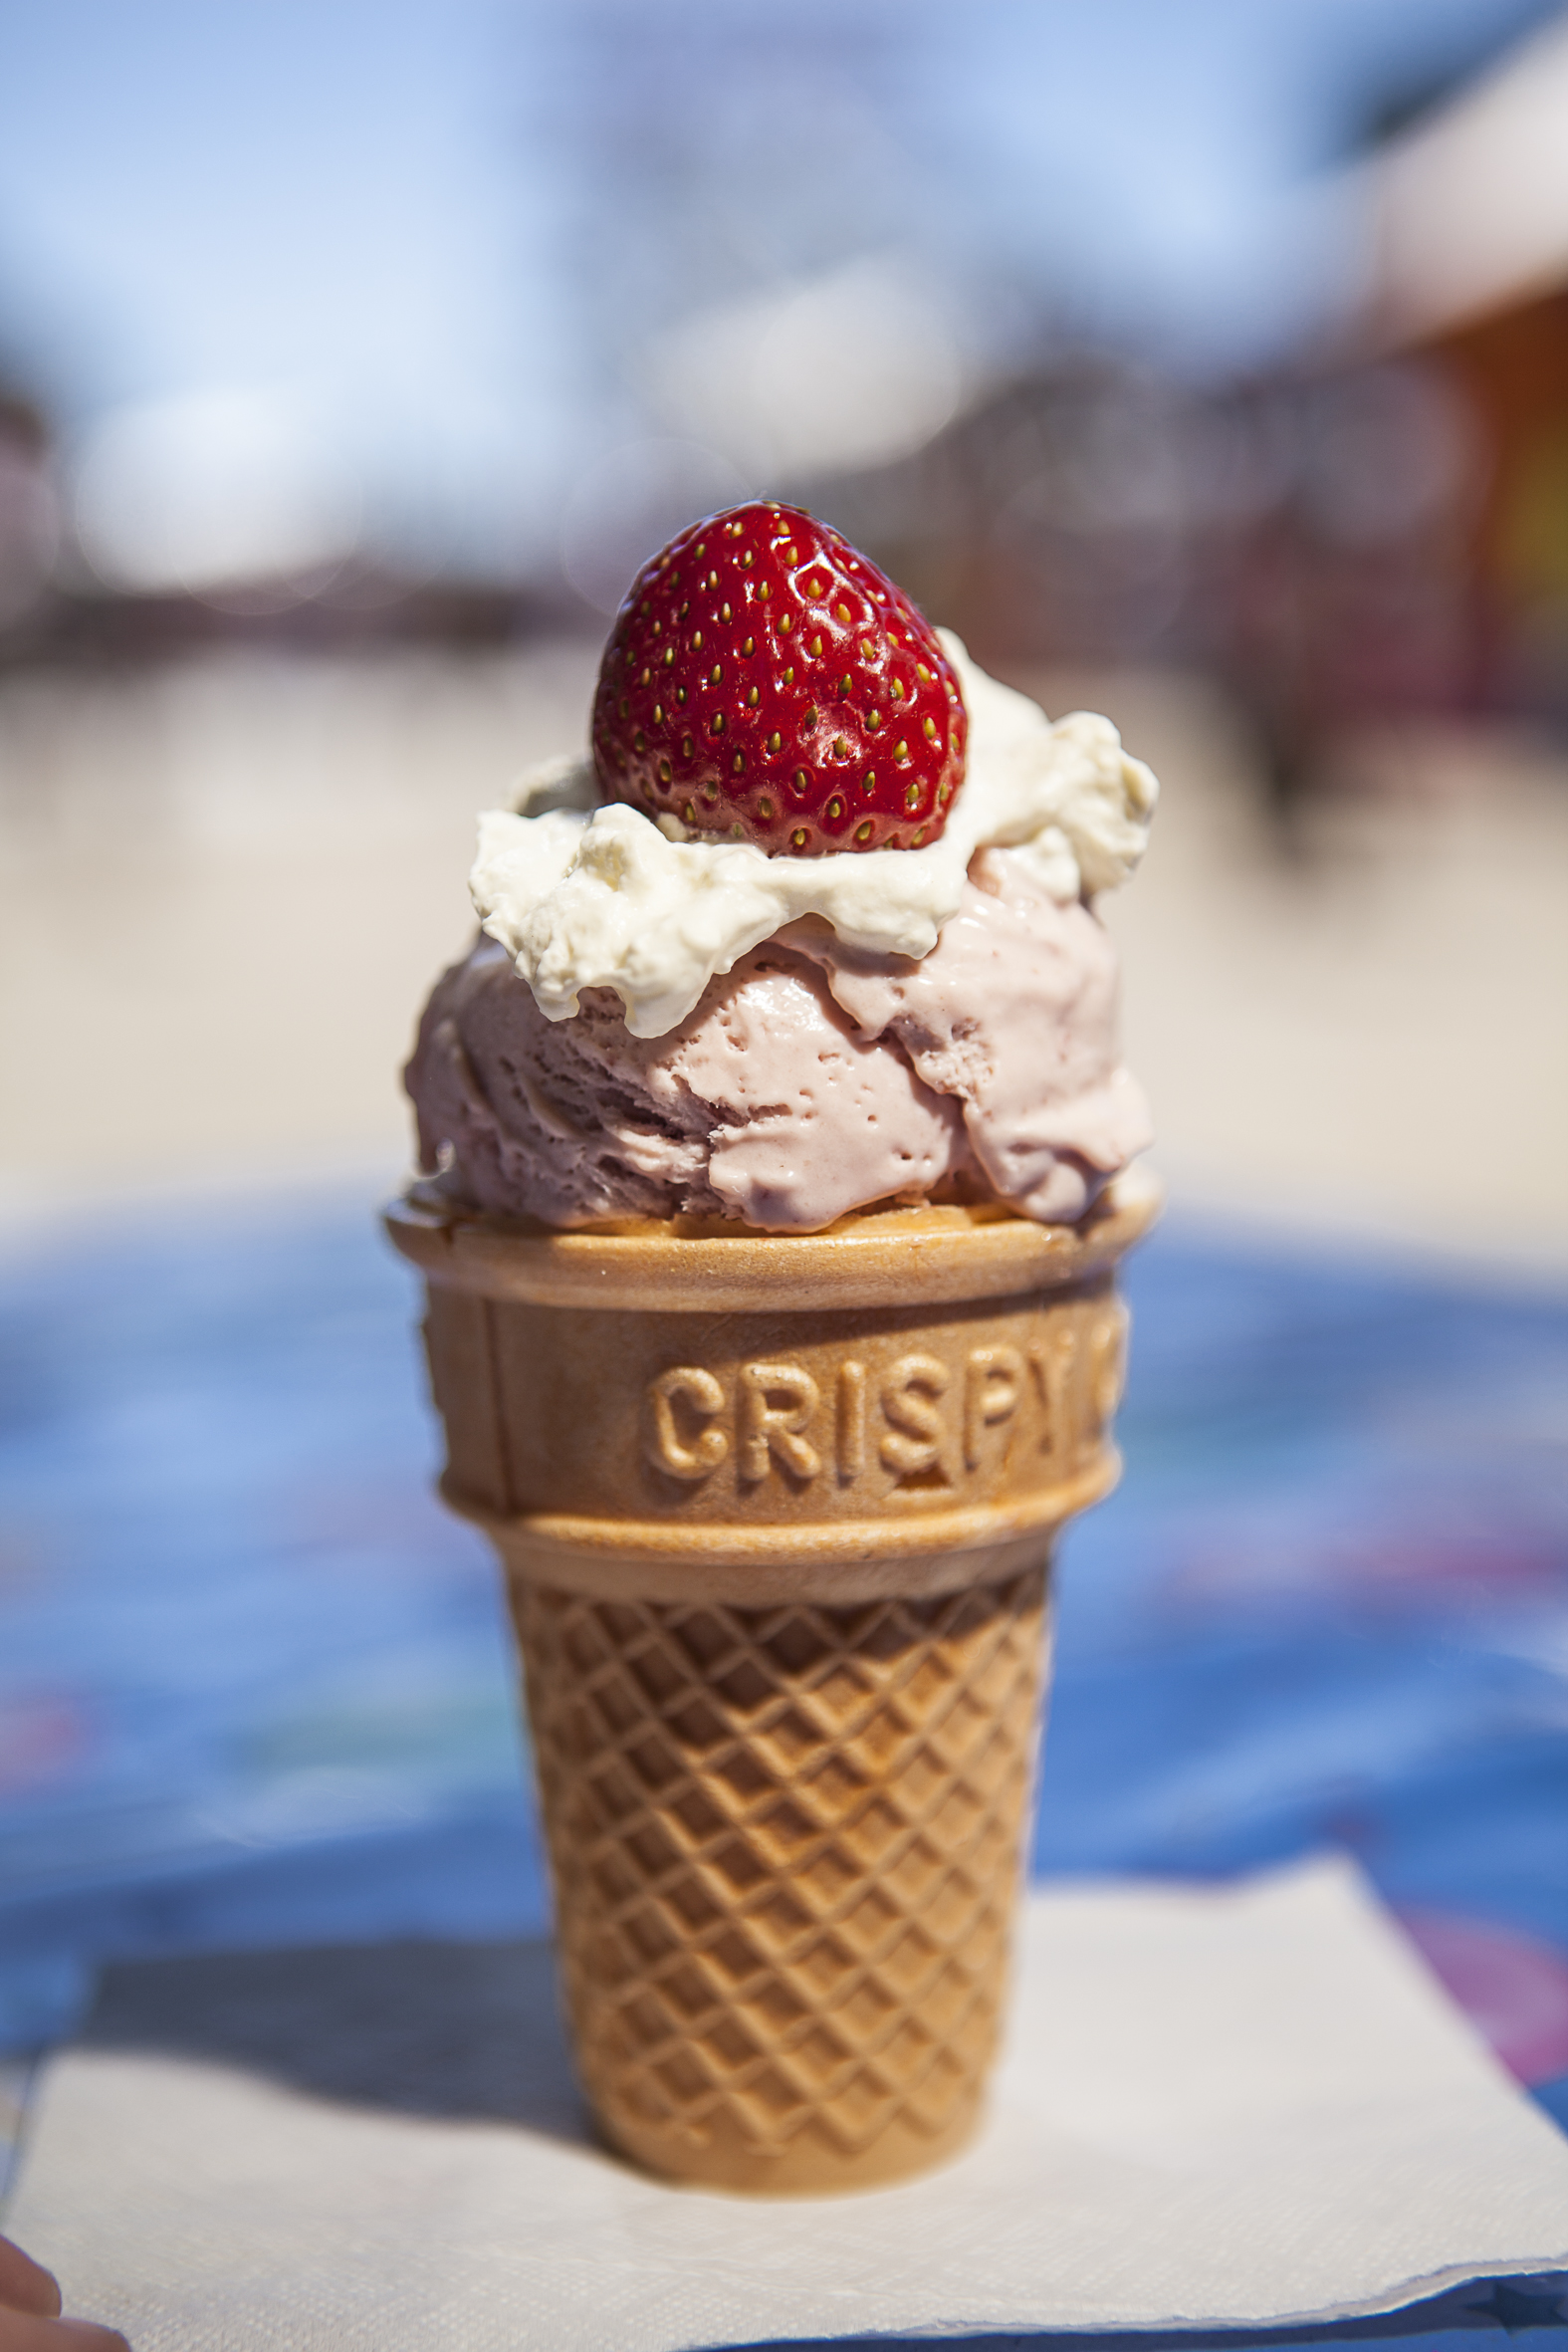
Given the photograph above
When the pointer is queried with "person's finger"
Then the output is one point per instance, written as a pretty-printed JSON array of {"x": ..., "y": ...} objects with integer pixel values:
[
  {"x": 25, "y": 2331},
  {"x": 25, "y": 2285}
]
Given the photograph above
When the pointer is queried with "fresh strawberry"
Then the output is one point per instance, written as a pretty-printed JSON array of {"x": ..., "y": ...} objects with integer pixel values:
[{"x": 765, "y": 683}]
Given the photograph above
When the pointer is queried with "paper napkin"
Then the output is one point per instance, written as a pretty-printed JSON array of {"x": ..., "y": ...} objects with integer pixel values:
[{"x": 1230, "y": 2105}]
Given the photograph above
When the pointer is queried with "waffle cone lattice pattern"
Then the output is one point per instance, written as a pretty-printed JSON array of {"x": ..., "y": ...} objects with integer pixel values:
[{"x": 785, "y": 1847}]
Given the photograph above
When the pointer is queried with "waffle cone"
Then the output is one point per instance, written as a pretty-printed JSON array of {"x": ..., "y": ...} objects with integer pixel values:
[{"x": 776, "y": 1516}]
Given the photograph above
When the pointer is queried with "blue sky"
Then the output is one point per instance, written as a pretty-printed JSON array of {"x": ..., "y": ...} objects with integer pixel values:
[{"x": 397, "y": 210}]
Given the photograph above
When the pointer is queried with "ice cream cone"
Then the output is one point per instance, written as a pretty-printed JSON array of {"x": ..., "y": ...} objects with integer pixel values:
[{"x": 777, "y": 1514}]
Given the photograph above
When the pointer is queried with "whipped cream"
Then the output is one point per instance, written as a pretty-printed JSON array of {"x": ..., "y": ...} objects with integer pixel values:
[{"x": 583, "y": 897}]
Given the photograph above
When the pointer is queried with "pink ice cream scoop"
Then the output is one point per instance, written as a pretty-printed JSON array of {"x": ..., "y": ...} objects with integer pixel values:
[{"x": 810, "y": 1079}]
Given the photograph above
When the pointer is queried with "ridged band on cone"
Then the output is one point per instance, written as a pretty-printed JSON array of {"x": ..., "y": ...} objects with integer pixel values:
[{"x": 776, "y": 1516}]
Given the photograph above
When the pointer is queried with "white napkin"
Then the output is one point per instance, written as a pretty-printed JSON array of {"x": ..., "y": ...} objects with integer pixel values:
[{"x": 1234, "y": 2105}]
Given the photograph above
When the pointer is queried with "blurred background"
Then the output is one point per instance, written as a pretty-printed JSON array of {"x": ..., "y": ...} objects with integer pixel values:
[
  {"x": 1205, "y": 363},
  {"x": 1198, "y": 361}
]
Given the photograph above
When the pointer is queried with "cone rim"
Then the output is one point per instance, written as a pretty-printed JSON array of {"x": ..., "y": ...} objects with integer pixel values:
[{"x": 880, "y": 1257}]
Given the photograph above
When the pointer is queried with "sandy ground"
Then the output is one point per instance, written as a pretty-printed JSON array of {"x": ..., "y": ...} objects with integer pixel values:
[{"x": 224, "y": 887}]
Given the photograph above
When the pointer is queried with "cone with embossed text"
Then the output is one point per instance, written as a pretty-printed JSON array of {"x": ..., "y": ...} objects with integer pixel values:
[{"x": 776, "y": 1516}]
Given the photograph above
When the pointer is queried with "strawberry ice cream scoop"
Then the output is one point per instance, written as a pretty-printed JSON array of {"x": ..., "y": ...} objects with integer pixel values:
[{"x": 810, "y": 1079}]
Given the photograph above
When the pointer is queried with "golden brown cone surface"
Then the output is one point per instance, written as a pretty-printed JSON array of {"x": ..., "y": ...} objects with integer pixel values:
[{"x": 777, "y": 1514}]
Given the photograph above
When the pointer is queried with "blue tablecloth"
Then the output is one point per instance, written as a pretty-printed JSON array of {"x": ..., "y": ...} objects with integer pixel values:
[{"x": 255, "y": 1686}]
